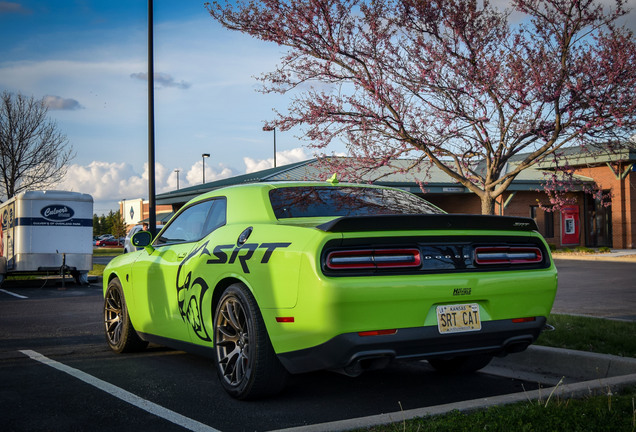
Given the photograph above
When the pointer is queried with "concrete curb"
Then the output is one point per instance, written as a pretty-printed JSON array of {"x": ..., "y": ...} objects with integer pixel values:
[
  {"x": 618, "y": 255},
  {"x": 577, "y": 374},
  {"x": 576, "y": 365}
]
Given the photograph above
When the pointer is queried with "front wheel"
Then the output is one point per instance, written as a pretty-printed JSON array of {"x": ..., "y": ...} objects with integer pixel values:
[
  {"x": 120, "y": 333},
  {"x": 246, "y": 362},
  {"x": 462, "y": 364}
]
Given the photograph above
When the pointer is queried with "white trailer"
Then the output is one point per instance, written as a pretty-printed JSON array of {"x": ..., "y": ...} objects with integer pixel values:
[{"x": 47, "y": 231}]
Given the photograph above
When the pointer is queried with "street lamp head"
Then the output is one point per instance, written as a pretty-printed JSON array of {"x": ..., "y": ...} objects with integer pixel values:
[
  {"x": 203, "y": 156},
  {"x": 268, "y": 128}
]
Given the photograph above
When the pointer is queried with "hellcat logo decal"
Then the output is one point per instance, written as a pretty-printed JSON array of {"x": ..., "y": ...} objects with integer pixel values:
[{"x": 191, "y": 290}]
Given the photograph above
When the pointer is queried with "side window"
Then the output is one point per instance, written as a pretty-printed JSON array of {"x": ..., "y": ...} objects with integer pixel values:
[
  {"x": 216, "y": 217},
  {"x": 194, "y": 223}
]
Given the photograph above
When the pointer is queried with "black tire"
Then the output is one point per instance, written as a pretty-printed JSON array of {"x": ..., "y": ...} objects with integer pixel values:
[
  {"x": 461, "y": 365},
  {"x": 246, "y": 362},
  {"x": 119, "y": 331}
]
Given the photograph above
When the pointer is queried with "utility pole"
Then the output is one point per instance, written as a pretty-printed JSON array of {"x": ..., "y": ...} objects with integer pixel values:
[{"x": 152, "y": 212}]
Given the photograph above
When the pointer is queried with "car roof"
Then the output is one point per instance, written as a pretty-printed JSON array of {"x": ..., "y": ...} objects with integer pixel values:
[
  {"x": 267, "y": 186},
  {"x": 249, "y": 203}
]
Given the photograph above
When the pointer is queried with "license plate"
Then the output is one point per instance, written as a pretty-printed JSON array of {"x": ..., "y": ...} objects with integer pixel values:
[{"x": 458, "y": 318}]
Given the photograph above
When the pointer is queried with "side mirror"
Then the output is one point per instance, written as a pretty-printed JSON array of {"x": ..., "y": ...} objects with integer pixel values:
[{"x": 141, "y": 239}]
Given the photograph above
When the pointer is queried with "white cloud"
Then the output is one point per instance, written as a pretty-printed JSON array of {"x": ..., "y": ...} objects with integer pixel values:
[
  {"x": 12, "y": 7},
  {"x": 282, "y": 158},
  {"x": 60, "y": 103},
  {"x": 161, "y": 80},
  {"x": 194, "y": 175},
  {"x": 110, "y": 182}
]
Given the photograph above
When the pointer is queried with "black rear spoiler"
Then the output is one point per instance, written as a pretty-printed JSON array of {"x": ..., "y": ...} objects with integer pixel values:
[{"x": 428, "y": 222}]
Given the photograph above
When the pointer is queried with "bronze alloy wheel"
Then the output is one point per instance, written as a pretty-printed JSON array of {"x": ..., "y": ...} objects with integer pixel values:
[
  {"x": 120, "y": 333},
  {"x": 233, "y": 333},
  {"x": 113, "y": 310},
  {"x": 246, "y": 362}
]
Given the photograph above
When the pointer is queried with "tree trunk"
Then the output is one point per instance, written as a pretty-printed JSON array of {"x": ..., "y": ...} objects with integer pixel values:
[{"x": 487, "y": 204}]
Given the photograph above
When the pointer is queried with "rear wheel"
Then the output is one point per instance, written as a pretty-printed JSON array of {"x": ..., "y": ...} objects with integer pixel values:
[
  {"x": 246, "y": 362},
  {"x": 462, "y": 364},
  {"x": 120, "y": 334}
]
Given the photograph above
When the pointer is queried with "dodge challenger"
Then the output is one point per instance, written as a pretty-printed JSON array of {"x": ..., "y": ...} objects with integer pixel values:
[{"x": 273, "y": 279}]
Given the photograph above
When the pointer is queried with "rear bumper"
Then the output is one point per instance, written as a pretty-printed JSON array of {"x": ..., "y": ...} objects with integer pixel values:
[{"x": 353, "y": 353}]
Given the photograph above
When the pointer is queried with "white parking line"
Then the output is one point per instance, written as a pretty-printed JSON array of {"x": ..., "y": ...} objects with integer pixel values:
[
  {"x": 13, "y": 294},
  {"x": 122, "y": 394}
]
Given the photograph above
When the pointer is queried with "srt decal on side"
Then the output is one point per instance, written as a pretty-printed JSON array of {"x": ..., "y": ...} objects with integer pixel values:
[{"x": 244, "y": 253}]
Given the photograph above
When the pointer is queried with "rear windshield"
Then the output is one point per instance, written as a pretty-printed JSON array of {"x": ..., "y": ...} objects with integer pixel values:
[{"x": 317, "y": 201}]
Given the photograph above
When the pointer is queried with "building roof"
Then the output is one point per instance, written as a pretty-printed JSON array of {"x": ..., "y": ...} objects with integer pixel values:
[
  {"x": 592, "y": 155},
  {"x": 433, "y": 180}
]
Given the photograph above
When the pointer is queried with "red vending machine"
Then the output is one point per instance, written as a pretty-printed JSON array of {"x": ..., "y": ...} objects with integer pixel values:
[{"x": 570, "y": 225}]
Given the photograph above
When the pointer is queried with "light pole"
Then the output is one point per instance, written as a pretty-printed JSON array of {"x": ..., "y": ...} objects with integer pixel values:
[
  {"x": 203, "y": 156},
  {"x": 152, "y": 207},
  {"x": 177, "y": 171},
  {"x": 267, "y": 129}
]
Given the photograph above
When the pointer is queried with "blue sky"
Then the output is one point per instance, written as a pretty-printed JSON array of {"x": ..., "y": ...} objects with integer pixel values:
[{"x": 88, "y": 58}]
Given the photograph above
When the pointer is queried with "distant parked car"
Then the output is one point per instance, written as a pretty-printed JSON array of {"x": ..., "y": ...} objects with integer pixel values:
[
  {"x": 110, "y": 241},
  {"x": 128, "y": 247}
]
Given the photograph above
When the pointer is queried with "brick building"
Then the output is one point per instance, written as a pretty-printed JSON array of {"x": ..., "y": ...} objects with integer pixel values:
[
  {"x": 587, "y": 222},
  {"x": 136, "y": 211}
]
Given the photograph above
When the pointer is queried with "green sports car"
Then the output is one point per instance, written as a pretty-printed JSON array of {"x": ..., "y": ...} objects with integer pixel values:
[{"x": 278, "y": 278}]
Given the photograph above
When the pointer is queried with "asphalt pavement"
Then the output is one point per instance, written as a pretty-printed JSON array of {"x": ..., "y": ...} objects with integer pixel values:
[
  {"x": 598, "y": 285},
  {"x": 591, "y": 284}
]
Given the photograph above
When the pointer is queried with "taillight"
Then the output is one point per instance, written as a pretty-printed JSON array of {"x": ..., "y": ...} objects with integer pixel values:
[
  {"x": 373, "y": 258},
  {"x": 508, "y": 255}
]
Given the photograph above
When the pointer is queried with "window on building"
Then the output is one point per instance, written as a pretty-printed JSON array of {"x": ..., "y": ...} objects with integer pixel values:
[
  {"x": 544, "y": 221},
  {"x": 548, "y": 224}
]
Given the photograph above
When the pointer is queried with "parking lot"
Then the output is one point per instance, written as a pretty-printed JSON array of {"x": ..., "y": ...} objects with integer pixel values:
[{"x": 57, "y": 373}]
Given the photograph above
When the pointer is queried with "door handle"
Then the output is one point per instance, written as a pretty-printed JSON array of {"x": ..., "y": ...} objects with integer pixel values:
[{"x": 182, "y": 255}]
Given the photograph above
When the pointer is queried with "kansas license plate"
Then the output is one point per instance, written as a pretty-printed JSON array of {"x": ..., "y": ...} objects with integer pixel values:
[{"x": 458, "y": 318}]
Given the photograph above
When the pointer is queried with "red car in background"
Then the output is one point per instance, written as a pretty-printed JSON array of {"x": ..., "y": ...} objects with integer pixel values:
[{"x": 110, "y": 241}]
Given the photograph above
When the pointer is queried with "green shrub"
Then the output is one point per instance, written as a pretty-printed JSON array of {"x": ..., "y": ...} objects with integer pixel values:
[{"x": 583, "y": 249}]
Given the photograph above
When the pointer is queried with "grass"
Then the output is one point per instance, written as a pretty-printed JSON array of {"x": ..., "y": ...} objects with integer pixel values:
[
  {"x": 603, "y": 411},
  {"x": 98, "y": 270},
  {"x": 108, "y": 251},
  {"x": 591, "y": 334},
  {"x": 578, "y": 250}
]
